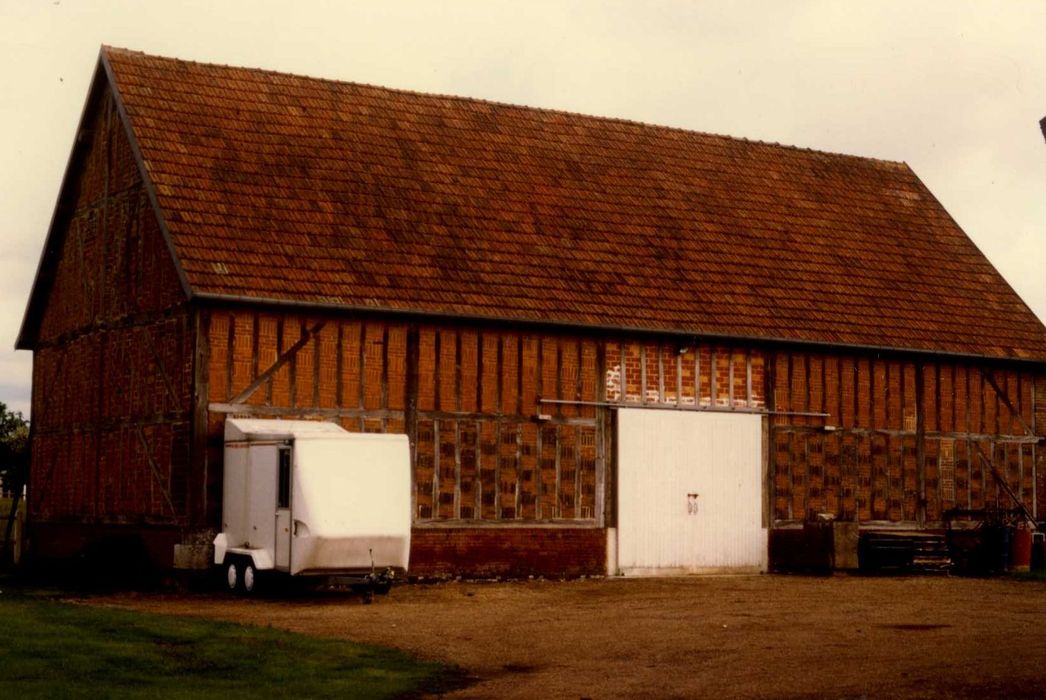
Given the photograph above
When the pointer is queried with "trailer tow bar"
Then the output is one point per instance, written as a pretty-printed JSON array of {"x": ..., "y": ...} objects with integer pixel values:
[{"x": 374, "y": 582}]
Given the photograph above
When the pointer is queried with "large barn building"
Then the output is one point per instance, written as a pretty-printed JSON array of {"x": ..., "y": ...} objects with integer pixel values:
[{"x": 615, "y": 347}]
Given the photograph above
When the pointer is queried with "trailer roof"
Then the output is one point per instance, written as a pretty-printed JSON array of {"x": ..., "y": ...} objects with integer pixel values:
[
  {"x": 277, "y": 429},
  {"x": 237, "y": 429}
]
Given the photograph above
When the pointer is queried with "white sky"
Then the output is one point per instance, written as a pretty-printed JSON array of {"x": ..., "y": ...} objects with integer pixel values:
[{"x": 955, "y": 89}]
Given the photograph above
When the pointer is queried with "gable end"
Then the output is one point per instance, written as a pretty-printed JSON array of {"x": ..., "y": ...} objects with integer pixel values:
[{"x": 107, "y": 208}]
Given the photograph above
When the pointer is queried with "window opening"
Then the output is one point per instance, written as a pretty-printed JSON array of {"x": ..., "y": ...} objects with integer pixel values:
[{"x": 283, "y": 490}]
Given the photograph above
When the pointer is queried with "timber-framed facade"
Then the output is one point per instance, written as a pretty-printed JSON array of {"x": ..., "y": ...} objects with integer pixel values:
[{"x": 144, "y": 342}]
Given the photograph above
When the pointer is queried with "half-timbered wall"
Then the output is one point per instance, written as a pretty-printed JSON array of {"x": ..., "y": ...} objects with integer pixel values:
[
  {"x": 903, "y": 440},
  {"x": 485, "y": 449},
  {"x": 681, "y": 374},
  {"x": 112, "y": 369},
  {"x": 510, "y": 427},
  {"x": 290, "y": 366}
]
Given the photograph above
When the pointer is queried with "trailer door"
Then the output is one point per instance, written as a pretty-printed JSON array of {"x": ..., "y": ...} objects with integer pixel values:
[
  {"x": 282, "y": 554},
  {"x": 689, "y": 492}
]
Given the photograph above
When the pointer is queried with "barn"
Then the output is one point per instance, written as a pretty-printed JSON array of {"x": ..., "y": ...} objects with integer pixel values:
[{"x": 615, "y": 347}]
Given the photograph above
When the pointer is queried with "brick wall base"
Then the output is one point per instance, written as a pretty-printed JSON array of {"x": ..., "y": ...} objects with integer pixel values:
[
  {"x": 508, "y": 552},
  {"x": 100, "y": 555}
]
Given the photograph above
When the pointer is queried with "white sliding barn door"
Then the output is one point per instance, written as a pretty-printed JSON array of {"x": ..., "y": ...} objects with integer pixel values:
[{"x": 690, "y": 492}]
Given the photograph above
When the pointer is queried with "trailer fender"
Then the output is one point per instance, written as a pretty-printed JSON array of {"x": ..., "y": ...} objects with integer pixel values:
[
  {"x": 262, "y": 558},
  {"x": 221, "y": 545}
]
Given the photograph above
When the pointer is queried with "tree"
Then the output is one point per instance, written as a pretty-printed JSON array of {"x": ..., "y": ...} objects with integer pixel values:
[{"x": 14, "y": 463}]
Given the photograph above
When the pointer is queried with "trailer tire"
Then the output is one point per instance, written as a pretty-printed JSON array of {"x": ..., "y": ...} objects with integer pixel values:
[
  {"x": 233, "y": 574},
  {"x": 249, "y": 584}
]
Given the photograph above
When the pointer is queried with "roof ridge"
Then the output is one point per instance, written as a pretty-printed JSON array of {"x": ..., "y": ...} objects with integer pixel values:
[{"x": 513, "y": 105}]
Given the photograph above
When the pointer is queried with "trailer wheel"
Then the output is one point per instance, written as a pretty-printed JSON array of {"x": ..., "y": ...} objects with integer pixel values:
[
  {"x": 250, "y": 577},
  {"x": 232, "y": 575}
]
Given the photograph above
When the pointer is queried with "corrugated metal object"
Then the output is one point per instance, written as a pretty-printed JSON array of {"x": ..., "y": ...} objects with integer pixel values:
[{"x": 690, "y": 492}]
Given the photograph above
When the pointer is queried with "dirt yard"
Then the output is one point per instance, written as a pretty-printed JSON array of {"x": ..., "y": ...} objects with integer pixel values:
[{"x": 737, "y": 637}]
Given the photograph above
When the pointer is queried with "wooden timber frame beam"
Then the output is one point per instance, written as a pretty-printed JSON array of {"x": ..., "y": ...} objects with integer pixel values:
[
  {"x": 155, "y": 469},
  {"x": 1004, "y": 397},
  {"x": 1028, "y": 431},
  {"x": 1005, "y": 486},
  {"x": 45, "y": 411},
  {"x": 158, "y": 361},
  {"x": 283, "y": 359}
]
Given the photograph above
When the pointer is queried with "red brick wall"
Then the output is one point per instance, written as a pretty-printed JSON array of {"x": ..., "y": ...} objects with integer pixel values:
[
  {"x": 468, "y": 398},
  {"x": 684, "y": 373},
  {"x": 904, "y": 447},
  {"x": 112, "y": 371},
  {"x": 481, "y": 453},
  {"x": 908, "y": 433},
  {"x": 514, "y": 552},
  {"x": 348, "y": 370}
]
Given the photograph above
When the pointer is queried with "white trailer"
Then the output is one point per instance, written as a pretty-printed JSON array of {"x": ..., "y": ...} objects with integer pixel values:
[{"x": 308, "y": 498}]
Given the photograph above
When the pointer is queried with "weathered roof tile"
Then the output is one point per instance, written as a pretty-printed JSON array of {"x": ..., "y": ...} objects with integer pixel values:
[{"x": 310, "y": 190}]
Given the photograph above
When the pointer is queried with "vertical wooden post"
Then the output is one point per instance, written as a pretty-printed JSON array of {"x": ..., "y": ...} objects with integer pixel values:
[
  {"x": 623, "y": 394},
  {"x": 749, "y": 399},
  {"x": 660, "y": 374},
  {"x": 768, "y": 480},
  {"x": 769, "y": 381},
  {"x": 317, "y": 359},
  {"x": 920, "y": 447},
  {"x": 411, "y": 412},
  {"x": 384, "y": 376},
  {"x": 436, "y": 476},
  {"x": 642, "y": 373},
  {"x": 712, "y": 378},
  {"x": 599, "y": 507},
  {"x": 730, "y": 377},
  {"x": 697, "y": 374},
  {"x": 679, "y": 379},
  {"x": 197, "y": 508},
  {"x": 99, "y": 412},
  {"x": 362, "y": 383},
  {"x": 498, "y": 393}
]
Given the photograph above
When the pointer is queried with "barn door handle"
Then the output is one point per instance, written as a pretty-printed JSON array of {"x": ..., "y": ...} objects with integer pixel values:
[{"x": 691, "y": 504}]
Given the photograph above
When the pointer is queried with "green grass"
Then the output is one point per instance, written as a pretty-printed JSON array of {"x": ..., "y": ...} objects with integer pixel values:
[
  {"x": 56, "y": 650},
  {"x": 1035, "y": 575}
]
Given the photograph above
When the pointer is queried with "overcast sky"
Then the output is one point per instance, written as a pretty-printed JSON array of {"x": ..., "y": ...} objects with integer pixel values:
[{"x": 954, "y": 89}]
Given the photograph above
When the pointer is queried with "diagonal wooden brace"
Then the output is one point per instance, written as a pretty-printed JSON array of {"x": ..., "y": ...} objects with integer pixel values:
[
  {"x": 1006, "y": 401},
  {"x": 275, "y": 367},
  {"x": 155, "y": 468},
  {"x": 1005, "y": 486}
]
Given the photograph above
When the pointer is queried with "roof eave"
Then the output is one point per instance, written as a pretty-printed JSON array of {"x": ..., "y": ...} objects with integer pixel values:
[
  {"x": 150, "y": 189},
  {"x": 927, "y": 192},
  {"x": 213, "y": 298}
]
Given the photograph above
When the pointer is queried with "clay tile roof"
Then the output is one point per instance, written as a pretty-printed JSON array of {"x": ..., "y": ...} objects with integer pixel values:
[{"x": 287, "y": 188}]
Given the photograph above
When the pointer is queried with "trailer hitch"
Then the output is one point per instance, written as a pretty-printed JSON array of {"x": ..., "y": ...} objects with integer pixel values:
[{"x": 379, "y": 582}]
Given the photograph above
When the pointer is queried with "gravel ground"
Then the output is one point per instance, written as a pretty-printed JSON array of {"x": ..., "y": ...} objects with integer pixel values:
[{"x": 744, "y": 637}]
